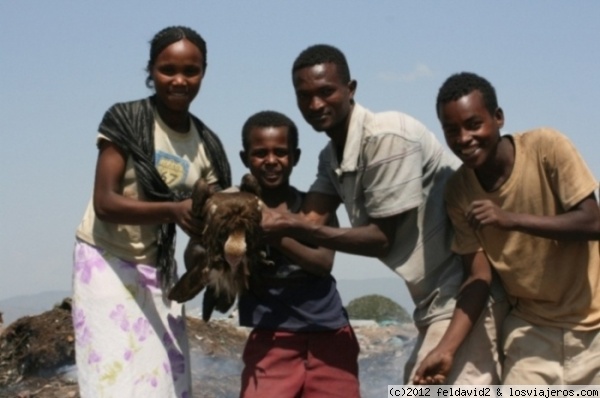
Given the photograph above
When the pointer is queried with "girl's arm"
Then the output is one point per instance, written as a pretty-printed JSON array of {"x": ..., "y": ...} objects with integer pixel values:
[{"x": 112, "y": 206}]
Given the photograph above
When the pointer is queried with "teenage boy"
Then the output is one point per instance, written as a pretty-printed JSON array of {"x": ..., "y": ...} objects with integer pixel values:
[
  {"x": 389, "y": 171},
  {"x": 302, "y": 344},
  {"x": 525, "y": 204}
]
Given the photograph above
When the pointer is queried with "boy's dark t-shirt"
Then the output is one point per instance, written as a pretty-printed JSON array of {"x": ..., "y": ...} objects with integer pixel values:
[{"x": 285, "y": 297}]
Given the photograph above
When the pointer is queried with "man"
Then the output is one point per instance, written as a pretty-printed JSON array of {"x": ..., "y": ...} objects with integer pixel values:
[{"x": 390, "y": 172}]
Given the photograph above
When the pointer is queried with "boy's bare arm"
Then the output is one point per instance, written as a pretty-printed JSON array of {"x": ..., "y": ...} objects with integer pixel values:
[
  {"x": 471, "y": 301},
  {"x": 316, "y": 260},
  {"x": 581, "y": 222}
]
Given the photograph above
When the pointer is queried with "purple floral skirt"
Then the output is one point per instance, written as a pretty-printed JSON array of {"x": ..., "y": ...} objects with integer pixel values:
[{"x": 130, "y": 340}]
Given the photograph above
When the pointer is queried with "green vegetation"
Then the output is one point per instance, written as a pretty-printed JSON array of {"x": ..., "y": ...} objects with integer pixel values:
[{"x": 377, "y": 308}]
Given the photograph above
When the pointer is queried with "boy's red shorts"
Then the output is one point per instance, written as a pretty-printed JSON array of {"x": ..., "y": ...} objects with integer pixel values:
[{"x": 301, "y": 364}]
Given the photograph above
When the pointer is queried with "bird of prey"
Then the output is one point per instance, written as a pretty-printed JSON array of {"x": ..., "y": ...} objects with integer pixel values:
[{"x": 222, "y": 258}]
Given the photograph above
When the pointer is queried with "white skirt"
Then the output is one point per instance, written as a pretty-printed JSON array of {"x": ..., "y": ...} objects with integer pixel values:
[{"x": 130, "y": 339}]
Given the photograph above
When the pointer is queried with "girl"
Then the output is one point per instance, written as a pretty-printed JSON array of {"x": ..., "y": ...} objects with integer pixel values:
[{"x": 130, "y": 339}]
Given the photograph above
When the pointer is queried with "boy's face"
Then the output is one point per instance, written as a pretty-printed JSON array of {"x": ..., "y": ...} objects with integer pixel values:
[
  {"x": 269, "y": 156},
  {"x": 471, "y": 132},
  {"x": 324, "y": 101}
]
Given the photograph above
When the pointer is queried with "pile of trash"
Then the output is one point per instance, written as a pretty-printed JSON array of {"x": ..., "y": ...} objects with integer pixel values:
[
  {"x": 33, "y": 348},
  {"x": 37, "y": 355}
]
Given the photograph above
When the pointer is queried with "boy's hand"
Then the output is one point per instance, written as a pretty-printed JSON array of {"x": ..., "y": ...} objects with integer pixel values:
[
  {"x": 434, "y": 368},
  {"x": 485, "y": 212}
]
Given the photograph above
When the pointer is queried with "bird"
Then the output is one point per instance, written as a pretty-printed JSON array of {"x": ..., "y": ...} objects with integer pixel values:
[{"x": 221, "y": 259}]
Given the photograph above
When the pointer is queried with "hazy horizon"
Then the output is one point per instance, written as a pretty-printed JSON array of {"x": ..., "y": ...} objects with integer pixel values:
[{"x": 18, "y": 306}]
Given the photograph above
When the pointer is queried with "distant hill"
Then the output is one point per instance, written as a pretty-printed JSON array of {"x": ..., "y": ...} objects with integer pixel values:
[
  {"x": 393, "y": 288},
  {"x": 16, "y": 307}
]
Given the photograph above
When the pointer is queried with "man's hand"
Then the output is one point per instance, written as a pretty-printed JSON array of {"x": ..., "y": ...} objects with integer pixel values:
[
  {"x": 274, "y": 223},
  {"x": 434, "y": 368}
]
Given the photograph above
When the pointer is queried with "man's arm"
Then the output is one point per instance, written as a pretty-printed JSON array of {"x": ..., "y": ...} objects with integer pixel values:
[
  {"x": 581, "y": 222},
  {"x": 471, "y": 301},
  {"x": 373, "y": 239}
]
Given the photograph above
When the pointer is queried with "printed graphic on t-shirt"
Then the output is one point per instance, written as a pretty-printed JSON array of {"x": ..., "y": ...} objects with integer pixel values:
[{"x": 171, "y": 168}]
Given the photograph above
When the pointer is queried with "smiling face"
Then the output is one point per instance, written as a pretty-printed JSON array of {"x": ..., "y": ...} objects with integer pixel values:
[
  {"x": 471, "y": 132},
  {"x": 269, "y": 156},
  {"x": 177, "y": 74},
  {"x": 323, "y": 99}
]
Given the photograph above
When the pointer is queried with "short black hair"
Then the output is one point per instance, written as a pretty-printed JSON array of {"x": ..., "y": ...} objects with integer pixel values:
[
  {"x": 320, "y": 54},
  {"x": 168, "y": 36},
  {"x": 270, "y": 119},
  {"x": 464, "y": 83}
]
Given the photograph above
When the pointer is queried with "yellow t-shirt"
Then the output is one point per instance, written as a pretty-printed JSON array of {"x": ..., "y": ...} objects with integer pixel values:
[
  {"x": 180, "y": 159},
  {"x": 552, "y": 283}
]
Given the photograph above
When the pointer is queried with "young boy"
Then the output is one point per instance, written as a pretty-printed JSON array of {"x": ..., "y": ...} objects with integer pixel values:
[
  {"x": 525, "y": 204},
  {"x": 302, "y": 344}
]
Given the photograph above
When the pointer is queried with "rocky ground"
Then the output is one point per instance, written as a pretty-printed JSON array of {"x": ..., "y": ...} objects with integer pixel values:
[{"x": 37, "y": 356}]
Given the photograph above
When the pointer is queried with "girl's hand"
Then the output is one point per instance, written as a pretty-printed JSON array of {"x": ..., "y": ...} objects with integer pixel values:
[{"x": 184, "y": 218}]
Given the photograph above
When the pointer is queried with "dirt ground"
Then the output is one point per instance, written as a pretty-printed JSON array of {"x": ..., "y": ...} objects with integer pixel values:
[
  {"x": 34, "y": 350},
  {"x": 34, "y": 347}
]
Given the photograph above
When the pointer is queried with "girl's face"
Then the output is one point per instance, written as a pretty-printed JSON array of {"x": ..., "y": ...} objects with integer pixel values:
[{"x": 177, "y": 74}]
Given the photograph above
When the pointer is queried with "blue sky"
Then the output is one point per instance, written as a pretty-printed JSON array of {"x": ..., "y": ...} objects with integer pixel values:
[{"x": 63, "y": 63}]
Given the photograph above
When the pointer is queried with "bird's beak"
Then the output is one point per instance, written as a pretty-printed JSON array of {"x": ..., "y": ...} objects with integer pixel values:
[{"x": 235, "y": 248}]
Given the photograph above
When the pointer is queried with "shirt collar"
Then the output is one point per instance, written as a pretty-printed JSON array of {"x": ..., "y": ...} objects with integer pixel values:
[{"x": 353, "y": 146}]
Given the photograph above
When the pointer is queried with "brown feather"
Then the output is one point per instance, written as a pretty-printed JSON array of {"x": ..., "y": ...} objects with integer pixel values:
[{"x": 231, "y": 232}]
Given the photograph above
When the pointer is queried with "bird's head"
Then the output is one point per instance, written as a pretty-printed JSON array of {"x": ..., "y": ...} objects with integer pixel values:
[
  {"x": 233, "y": 223},
  {"x": 235, "y": 248}
]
